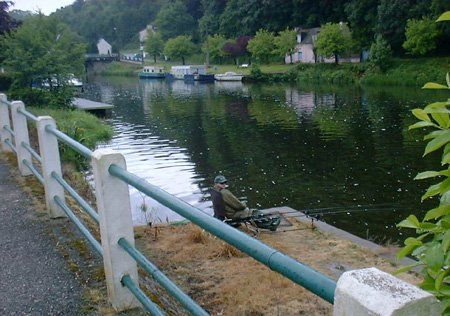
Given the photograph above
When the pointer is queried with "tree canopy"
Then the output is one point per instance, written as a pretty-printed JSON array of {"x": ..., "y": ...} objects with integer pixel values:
[
  {"x": 285, "y": 43},
  {"x": 262, "y": 45},
  {"x": 213, "y": 47},
  {"x": 421, "y": 36},
  {"x": 334, "y": 39},
  {"x": 179, "y": 47},
  {"x": 154, "y": 45},
  {"x": 174, "y": 20}
]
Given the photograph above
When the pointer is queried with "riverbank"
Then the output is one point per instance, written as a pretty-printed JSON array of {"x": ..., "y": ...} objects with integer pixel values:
[
  {"x": 403, "y": 72},
  {"x": 227, "y": 282}
]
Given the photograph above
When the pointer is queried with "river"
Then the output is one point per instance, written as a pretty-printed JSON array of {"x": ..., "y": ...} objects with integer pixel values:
[{"x": 343, "y": 151}]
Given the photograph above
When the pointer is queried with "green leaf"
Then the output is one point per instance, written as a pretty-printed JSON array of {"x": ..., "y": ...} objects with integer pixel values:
[
  {"x": 446, "y": 241},
  {"x": 437, "y": 212},
  {"x": 431, "y": 174},
  {"x": 432, "y": 85},
  {"x": 407, "y": 268},
  {"x": 445, "y": 159},
  {"x": 434, "y": 258},
  {"x": 405, "y": 251},
  {"x": 441, "y": 118},
  {"x": 433, "y": 134},
  {"x": 432, "y": 191},
  {"x": 445, "y": 199},
  {"x": 439, "y": 279},
  {"x": 437, "y": 143},
  {"x": 447, "y": 78},
  {"x": 412, "y": 241},
  {"x": 420, "y": 125},
  {"x": 444, "y": 17},
  {"x": 421, "y": 115},
  {"x": 410, "y": 222}
]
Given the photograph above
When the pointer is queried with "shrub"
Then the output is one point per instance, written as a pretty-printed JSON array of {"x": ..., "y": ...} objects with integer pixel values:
[{"x": 380, "y": 54}]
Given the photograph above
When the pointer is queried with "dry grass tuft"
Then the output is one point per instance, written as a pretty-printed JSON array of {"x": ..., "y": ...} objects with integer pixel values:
[
  {"x": 198, "y": 235},
  {"x": 228, "y": 251}
]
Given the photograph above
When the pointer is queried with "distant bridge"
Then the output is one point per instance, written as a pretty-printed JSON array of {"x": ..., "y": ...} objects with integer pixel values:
[{"x": 101, "y": 58}]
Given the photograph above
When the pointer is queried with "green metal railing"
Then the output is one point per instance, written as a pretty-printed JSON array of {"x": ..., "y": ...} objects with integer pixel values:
[
  {"x": 301, "y": 274},
  {"x": 83, "y": 150}
]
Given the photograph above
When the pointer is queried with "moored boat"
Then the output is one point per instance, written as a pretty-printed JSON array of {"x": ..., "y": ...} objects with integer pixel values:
[
  {"x": 191, "y": 73},
  {"x": 152, "y": 72},
  {"x": 229, "y": 76}
]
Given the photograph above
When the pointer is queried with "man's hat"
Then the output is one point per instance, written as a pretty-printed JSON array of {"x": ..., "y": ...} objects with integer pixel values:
[{"x": 220, "y": 179}]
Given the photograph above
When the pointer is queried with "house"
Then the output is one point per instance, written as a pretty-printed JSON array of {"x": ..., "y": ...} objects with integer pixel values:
[
  {"x": 304, "y": 50},
  {"x": 143, "y": 35},
  {"x": 104, "y": 48}
]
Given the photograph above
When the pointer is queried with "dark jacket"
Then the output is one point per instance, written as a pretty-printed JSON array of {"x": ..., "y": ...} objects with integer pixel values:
[{"x": 225, "y": 204}]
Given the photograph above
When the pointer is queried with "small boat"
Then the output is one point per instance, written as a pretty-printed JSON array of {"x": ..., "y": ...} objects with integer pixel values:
[
  {"x": 191, "y": 73},
  {"x": 229, "y": 76},
  {"x": 152, "y": 72}
]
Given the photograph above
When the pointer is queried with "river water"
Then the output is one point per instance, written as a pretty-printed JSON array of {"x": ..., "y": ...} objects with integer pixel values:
[{"x": 342, "y": 151}]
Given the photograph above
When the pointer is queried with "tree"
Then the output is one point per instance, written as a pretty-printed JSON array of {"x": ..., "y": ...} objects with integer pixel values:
[
  {"x": 179, "y": 47},
  {"x": 261, "y": 46},
  {"x": 43, "y": 48},
  {"x": 174, "y": 20},
  {"x": 213, "y": 48},
  {"x": 421, "y": 36},
  {"x": 154, "y": 45},
  {"x": 362, "y": 18},
  {"x": 285, "y": 43},
  {"x": 380, "y": 53},
  {"x": 6, "y": 22},
  {"x": 237, "y": 48},
  {"x": 334, "y": 39}
]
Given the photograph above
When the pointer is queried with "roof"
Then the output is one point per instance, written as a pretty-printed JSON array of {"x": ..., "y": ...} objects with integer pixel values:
[
  {"x": 188, "y": 67},
  {"x": 307, "y": 34}
]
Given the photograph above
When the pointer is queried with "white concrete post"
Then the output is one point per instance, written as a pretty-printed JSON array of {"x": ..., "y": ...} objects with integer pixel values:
[
  {"x": 4, "y": 121},
  {"x": 48, "y": 147},
  {"x": 113, "y": 203},
  {"x": 375, "y": 293},
  {"x": 21, "y": 130}
]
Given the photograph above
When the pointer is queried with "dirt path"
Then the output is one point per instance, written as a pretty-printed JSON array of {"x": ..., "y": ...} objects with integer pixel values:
[{"x": 34, "y": 276}]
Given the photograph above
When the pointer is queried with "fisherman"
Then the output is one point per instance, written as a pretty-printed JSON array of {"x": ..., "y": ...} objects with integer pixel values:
[{"x": 225, "y": 204}]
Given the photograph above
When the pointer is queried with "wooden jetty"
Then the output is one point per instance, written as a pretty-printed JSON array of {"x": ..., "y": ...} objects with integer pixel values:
[{"x": 88, "y": 105}]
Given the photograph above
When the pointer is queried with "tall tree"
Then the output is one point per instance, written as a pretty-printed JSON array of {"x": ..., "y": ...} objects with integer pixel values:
[
  {"x": 43, "y": 48},
  {"x": 285, "y": 43},
  {"x": 174, "y": 20},
  {"x": 154, "y": 45},
  {"x": 261, "y": 46},
  {"x": 238, "y": 48},
  {"x": 362, "y": 18},
  {"x": 421, "y": 36},
  {"x": 334, "y": 39},
  {"x": 6, "y": 22},
  {"x": 179, "y": 47},
  {"x": 213, "y": 48}
]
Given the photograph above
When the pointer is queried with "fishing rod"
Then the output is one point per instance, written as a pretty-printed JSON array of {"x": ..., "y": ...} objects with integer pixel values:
[
  {"x": 342, "y": 208},
  {"x": 291, "y": 214}
]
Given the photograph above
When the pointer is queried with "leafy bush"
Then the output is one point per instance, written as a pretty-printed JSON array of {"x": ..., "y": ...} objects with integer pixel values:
[
  {"x": 83, "y": 127},
  {"x": 381, "y": 54},
  {"x": 57, "y": 98},
  {"x": 421, "y": 36},
  {"x": 431, "y": 247}
]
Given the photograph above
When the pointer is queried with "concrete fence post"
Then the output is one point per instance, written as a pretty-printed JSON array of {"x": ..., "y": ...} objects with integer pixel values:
[
  {"x": 48, "y": 147},
  {"x": 374, "y": 292},
  {"x": 21, "y": 130},
  {"x": 4, "y": 121},
  {"x": 113, "y": 204}
]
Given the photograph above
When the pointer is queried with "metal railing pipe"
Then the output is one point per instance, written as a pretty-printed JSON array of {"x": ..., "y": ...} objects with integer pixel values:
[
  {"x": 79, "y": 225},
  {"x": 10, "y": 145},
  {"x": 32, "y": 152},
  {"x": 84, "y": 205},
  {"x": 163, "y": 280},
  {"x": 83, "y": 150},
  {"x": 29, "y": 115},
  {"x": 34, "y": 171},
  {"x": 149, "y": 306},
  {"x": 9, "y": 130},
  {"x": 301, "y": 274}
]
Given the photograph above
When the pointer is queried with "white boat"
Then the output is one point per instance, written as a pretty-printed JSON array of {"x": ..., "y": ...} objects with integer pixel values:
[
  {"x": 229, "y": 76},
  {"x": 179, "y": 72}
]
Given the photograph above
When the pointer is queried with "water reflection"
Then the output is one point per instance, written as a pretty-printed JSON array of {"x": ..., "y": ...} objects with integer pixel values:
[{"x": 305, "y": 147}]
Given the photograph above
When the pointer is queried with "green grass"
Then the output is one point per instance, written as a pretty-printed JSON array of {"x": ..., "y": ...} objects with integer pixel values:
[{"x": 84, "y": 127}]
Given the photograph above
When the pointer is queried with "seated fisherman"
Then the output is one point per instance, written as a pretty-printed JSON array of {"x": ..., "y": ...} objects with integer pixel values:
[{"x": 225, "y": 204}]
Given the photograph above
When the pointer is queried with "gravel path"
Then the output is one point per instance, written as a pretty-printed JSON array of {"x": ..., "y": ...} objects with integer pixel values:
[{"x": 34, "y": 279}]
